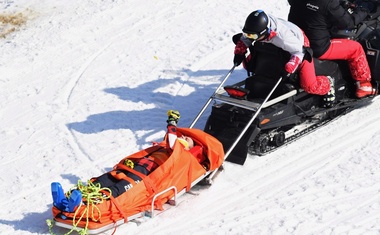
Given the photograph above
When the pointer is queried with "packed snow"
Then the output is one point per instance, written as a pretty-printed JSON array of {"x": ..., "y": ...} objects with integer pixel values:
[{"x": 86, "y": 83}]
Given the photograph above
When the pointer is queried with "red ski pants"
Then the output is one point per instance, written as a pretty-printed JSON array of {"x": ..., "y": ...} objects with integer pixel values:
[
  {"x": 312, "y": 84},
  {"x": 352, "y": 51}
]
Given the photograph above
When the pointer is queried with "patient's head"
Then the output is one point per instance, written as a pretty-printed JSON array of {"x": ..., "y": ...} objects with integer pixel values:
[{"x": 186, "y": 141}]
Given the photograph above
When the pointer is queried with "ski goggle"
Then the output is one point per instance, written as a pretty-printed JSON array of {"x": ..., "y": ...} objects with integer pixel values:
[
  {"x": 253, "y": 36},
  {"x": 257, "y": 36}
]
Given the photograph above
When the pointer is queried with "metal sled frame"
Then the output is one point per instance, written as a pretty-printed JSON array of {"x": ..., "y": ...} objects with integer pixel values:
[{"x": 221, "y": 95}]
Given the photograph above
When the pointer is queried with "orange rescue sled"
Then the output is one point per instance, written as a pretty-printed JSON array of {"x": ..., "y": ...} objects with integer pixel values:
[{"x": 174, "y": 177}]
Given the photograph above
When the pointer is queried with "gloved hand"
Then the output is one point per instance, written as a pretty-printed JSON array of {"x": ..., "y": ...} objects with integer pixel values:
[
  {"x": 240, "y": 50},
  {"x": 238, "y": 59},
  {"x": 293, "y": 64},
  {"x": 173, "y": 117}
]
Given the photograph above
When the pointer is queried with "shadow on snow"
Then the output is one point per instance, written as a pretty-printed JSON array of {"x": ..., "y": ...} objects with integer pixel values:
[{"x": 152, "y": 120}]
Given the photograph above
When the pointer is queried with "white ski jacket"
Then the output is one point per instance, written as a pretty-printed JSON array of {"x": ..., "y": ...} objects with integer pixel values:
[{"x": 289, "y": 37}]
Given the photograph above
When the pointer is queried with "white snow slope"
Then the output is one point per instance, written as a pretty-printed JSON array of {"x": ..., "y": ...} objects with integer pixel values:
[{"x": 85, "y": 83}]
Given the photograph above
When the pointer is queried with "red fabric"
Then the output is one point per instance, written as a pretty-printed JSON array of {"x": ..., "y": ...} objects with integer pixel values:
[
  {"x": 240, "y": 48},
  {"x": 272, "y": 34},
  {"x": 364, "y": 88},
  {"x": 159, "y": 157},
  {"x": 312, "y": 84},
  {"x": 148, "y": 163},
  {"x": 246, "y": 61},
  {"x": 293, "y": 64},
  {"x": 197, "y": 151},
  {"x": 318, "y": 85},
  {"x": 172, "y": 130},
  {"x": 352, "y": 51},
  {"x": 170, "y": 137}
]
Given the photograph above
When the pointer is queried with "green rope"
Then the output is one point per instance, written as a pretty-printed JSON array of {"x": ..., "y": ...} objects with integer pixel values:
[
  {"x": 50, "y": 224},
  {"x": 92, "y": 194}
]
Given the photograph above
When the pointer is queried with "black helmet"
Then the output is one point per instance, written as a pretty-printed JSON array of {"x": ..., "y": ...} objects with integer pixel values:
[{"x": 256, "y": 25}]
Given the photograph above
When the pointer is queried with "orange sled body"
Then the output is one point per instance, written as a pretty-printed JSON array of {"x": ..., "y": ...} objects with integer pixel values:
[{"x": 175, "y": 176}]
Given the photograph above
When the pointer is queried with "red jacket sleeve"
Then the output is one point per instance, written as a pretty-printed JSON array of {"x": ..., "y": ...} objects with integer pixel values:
[{"x": 171, "y": 136}]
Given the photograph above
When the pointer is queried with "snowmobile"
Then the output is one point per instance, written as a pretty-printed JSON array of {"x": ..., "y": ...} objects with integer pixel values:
[
  {"x": 157, "y": 191},
  {"x": 268, "y": 110}
]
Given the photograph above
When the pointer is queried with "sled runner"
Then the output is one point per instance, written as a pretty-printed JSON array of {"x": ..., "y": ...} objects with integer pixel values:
[
  {"x": 267, "y": 110},
  {"x": 176, "y": 176}
]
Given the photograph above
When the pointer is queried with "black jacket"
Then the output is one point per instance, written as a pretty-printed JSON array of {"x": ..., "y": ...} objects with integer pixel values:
[{"x": 317, "y": 18}]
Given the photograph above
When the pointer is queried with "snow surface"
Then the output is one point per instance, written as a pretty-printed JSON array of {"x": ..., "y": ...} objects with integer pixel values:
[{"x": 85, "y": 83}]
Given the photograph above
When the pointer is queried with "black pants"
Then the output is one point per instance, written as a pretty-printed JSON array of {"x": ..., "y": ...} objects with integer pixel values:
[{"x": 117, "y": 186}]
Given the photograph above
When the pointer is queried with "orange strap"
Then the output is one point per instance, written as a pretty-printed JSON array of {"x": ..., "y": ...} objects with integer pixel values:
[
  {"x": 188, "y": 187},
  {"x": 159, "y": 156},
  {"x": 118, "y": 207},
  {"x": 147, "y": 181},
  {"x": 122, "y": 176}
]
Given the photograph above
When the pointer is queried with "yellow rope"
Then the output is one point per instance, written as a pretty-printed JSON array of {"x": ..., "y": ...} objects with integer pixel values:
[
  {"x": 50, "y": 224},
  {"x": 92, "y": 194}
]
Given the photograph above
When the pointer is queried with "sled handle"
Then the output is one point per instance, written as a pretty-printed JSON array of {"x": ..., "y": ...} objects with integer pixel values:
[
  {"x": 151, "y": 212},
  {"x": 211, "y": 97}
]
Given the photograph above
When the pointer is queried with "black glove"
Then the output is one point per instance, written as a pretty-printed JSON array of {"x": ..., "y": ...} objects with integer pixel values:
[
  {"x": 173, "y": 117},
  {"x": 238, "y": 59}
]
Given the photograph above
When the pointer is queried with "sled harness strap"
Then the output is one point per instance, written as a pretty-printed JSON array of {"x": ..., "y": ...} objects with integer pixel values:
[
  {"x": 160, "y": 156},
  {"x": 147, "y": 181},
  {"x": 118, "y": 207},
  {"x": 189, "y": 173},
  {"x": 121, "y": 176}
]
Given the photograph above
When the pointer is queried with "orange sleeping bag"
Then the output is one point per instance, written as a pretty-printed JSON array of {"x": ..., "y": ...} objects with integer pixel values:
[{"x": 182, "y": 168}]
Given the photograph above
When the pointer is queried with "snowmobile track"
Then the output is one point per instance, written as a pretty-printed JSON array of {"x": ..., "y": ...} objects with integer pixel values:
[{"x": 343, "y": 107}]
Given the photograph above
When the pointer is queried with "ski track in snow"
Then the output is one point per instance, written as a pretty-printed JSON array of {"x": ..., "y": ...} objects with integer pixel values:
[{"x": 96, "y": 82}]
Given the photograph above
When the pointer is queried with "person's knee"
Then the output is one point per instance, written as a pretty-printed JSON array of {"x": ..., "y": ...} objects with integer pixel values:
[{"x": 318, "y": 86}]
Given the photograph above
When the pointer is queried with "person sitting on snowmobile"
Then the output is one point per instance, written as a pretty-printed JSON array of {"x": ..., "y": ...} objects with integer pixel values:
[
  {"x": 144, "y": 165},
  {"x": 318, "y": 18},
  {"x": 266, "y": 28}
]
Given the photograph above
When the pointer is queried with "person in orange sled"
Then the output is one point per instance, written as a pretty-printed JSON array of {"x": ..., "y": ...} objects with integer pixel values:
[{"x": 145, "y": 165}]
